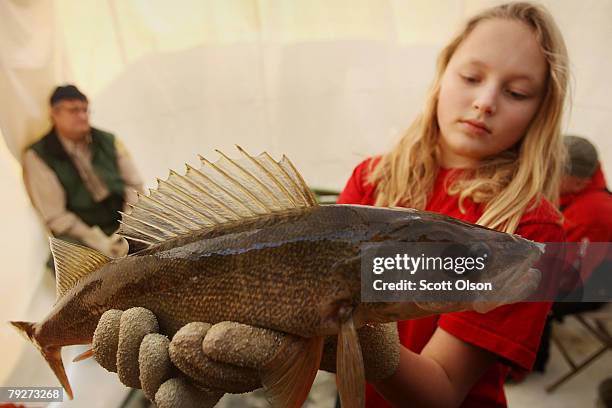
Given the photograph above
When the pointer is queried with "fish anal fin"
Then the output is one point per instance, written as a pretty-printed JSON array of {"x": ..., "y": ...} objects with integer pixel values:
[
  {"x": 52, "y": 355},
  {"x": 350, "y": 374},
  {"x": 287, "y": 381},
  {"x": 72, "y": 263}
]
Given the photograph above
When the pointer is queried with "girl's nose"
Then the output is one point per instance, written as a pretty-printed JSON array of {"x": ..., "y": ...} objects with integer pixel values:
[{"x": 485, "y": 102}]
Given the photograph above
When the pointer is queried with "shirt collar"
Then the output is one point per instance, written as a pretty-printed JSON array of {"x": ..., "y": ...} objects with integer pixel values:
[{"x": 71, "y": 145}]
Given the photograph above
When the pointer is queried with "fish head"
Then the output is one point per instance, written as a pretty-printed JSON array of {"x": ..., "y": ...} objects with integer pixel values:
[{"x": 505, "y": 261}]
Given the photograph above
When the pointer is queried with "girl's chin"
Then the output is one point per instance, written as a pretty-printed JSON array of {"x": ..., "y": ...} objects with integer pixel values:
[
  {"x": 467, "y": 147},
  {"x": 460, "y": 158}
]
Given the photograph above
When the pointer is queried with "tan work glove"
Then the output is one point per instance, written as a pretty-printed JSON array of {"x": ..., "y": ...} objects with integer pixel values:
[
  {"x": 128, "y": 343},
  {"x": 114, "y": 246},
  {"x": 226, "y": 356}
]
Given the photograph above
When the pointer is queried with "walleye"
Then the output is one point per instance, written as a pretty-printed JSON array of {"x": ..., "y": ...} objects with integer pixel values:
[{"x": 245, "y": 241}]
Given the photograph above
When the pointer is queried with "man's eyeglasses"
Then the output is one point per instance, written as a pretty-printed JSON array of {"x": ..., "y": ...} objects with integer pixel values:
[{"x": 77, "y": 109}]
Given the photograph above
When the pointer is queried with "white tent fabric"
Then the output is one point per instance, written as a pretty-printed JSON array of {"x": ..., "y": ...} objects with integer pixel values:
[{"x": 326, "y": 82}]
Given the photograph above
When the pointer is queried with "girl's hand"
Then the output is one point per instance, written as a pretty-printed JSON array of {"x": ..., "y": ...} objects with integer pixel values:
[
  {"x": 441, "y": 376},
  {"x": 202, "y": 361}
]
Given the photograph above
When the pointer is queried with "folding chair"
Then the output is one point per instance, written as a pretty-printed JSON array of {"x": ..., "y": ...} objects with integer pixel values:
[{"x": 595, "y": 322}]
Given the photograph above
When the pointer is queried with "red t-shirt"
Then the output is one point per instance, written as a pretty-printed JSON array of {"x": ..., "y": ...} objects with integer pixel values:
[
  {"x": 512, "y": 331},
  {"x": 588, "y": 216}
]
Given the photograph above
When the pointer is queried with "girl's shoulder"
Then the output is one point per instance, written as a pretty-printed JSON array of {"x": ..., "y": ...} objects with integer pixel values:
[
  {"x": 542, "y": 211},
  {"x": 358, "y": 189},
  {"x": 367, "y": 166},
  {"x": 542, "y": 222}
]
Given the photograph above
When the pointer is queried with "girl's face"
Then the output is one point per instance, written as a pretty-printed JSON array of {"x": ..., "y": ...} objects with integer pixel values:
[{"x": 489, "y": 92}]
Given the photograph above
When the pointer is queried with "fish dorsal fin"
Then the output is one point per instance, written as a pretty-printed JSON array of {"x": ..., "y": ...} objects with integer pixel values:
[
  {"x": 214, "y": 194},
  {"x": 72, "y": 262}
]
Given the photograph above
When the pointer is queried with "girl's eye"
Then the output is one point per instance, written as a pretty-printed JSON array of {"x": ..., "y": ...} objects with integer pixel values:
[
  {"x": 517, "y": 95},
  {"x": 470, "y": 79}
]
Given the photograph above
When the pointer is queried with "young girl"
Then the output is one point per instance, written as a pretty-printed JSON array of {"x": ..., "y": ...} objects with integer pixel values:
[{"x": 487, "y": 150}]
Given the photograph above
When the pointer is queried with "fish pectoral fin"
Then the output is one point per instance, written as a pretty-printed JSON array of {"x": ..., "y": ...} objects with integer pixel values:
[
  {"x": 350, "y": 374},
  {"x": 83, "y": 356},
  {"x": 287, "y": 380},
  {"x": 72, "y": 263}
]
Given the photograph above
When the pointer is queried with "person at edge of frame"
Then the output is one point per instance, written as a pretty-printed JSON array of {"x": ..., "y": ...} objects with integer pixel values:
[
  {"x": 586, "y": 204},
  {"x": 486, "y": 149},
  {"x": 78, "y": 177}
]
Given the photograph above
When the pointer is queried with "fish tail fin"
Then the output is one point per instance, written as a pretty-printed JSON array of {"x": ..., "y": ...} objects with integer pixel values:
[
  {"x": 52, "y": 354},
  {"x": 26, "y": 329},
  {"x": 350, "y": 374},
  {"x": 287, "y": 381}
]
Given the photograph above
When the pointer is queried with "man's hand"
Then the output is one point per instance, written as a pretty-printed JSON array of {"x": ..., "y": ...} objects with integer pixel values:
[
  {"x": 114, "y": 246},
  {"x": 227, "y": 356},
  {"x": 118, "y": 246}
]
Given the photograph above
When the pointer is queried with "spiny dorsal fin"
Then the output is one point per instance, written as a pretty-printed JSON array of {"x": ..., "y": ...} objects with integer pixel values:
[
  {"x": 216, "y": 193},
  {"x": 72, "y": 262}
]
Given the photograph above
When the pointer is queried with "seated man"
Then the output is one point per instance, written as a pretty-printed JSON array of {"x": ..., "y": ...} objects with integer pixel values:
[
  {"x": 586, "y": 204},
  {"x": 78, "y": 177}
]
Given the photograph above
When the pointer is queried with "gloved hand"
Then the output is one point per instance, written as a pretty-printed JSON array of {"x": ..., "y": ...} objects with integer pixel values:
[
  {"x": 114, "y": 246},
  {"x": 226, "y": 357},
  {"x": 128, "y": 343}
]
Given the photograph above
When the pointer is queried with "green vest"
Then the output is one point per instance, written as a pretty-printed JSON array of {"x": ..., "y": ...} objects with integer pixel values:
[{"x": 78, "y": 198}]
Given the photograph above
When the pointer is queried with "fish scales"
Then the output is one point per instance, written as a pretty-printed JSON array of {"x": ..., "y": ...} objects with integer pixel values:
[{"x": 280, "y": 272}]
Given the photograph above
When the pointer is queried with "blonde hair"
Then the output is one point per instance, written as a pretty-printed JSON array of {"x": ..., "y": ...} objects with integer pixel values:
[{"x": 508, "y": 183}]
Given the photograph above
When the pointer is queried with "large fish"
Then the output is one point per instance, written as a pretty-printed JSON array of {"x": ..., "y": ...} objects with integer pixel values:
[{"x": 245, "y": 241}]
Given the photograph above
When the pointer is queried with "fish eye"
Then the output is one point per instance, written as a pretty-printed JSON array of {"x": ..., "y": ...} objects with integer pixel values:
[
  {"x": 468, "y": 258},
  {"x": 457, "y": 253},
  {"x": 480, "y": 249},
  {"x": 482, "y": 254},
  {"x": 456, "y": 250}
]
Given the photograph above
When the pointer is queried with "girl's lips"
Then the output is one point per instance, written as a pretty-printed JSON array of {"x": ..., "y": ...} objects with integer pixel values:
[{"x": 475, "y": 127}]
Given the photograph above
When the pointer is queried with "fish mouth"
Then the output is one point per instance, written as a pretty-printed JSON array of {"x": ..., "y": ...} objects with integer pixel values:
[
  {"x": 514, "y": 290},
  {"x": 516, "y": 281},
  {"x": 397, "y": 311}
]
